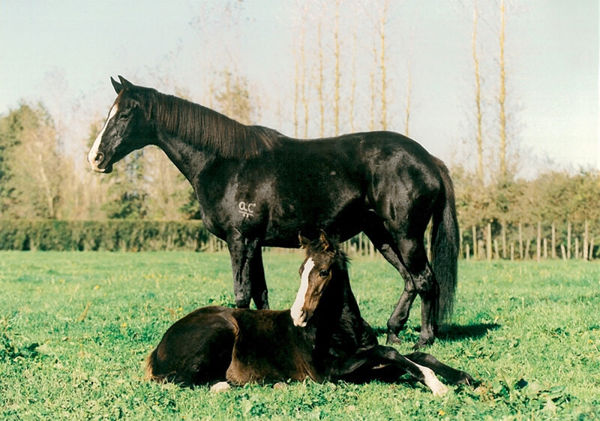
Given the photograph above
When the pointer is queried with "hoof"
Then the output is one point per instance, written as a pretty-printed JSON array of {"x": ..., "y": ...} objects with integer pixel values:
[
  {"x": 423, "y": 343},
  {"x": 280, "y": 385},
  {"x": 392, "y": 338},
  {"x": 220, "y": 387},
  {"x": 465, "y": 378}
]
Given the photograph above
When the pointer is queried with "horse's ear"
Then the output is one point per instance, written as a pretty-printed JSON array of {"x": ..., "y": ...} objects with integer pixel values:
[
  {"x": 324, "y": 241},
  {"x": 125, "y": 82},
  {"x": 304, "y": 242},
  {"x": 118, "y": 87}
]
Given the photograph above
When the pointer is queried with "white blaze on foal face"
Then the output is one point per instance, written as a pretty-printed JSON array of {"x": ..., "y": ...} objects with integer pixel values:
[
  {"x": 93, "y": 154},
  {"x": 298, "y": 315}
]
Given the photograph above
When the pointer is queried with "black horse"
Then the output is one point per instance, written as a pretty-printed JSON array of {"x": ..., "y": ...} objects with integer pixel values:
[
  {"x": 257, "y": 187},
  {"x": 323, "y": 337}
]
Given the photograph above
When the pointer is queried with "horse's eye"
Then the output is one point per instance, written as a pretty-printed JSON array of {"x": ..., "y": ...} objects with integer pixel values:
[{"x": 324, "y": 273}]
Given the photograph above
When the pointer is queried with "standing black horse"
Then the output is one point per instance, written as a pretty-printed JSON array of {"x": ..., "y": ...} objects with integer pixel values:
[
  {"x": 257, "y": 187},
  {"x": 322, "y": 337}
]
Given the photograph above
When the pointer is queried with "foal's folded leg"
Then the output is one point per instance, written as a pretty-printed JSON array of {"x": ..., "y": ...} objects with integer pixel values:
[
  {"x": 452, "y": 375},
  {"x": 385, "y": 362}
]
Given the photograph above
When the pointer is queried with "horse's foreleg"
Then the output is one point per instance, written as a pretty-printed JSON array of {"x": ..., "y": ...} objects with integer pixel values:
[
  {"x": 248, "y": 273},
  {"x": 258, "y": 283}
]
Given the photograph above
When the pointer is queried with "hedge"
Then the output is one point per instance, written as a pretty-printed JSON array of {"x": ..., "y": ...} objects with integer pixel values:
[{"x": 109, "y": 235}]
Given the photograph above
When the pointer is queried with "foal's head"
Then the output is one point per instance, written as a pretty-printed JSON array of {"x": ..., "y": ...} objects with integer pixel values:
[
  {"x": 321, "y": 269},
  {"x": 127, "y": 127}
]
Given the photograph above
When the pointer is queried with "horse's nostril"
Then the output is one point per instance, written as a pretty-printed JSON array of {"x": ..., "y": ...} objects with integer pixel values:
[{"x": 99, "y": 157}]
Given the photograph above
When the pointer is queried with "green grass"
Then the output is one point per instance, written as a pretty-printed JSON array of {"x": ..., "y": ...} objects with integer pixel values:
[{"x": 76, "y": 327}]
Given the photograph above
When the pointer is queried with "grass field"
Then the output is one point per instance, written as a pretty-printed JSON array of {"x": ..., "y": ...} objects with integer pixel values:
[{"x": 75, "y": 328}]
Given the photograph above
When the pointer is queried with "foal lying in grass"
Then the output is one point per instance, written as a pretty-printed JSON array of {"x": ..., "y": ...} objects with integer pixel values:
[{"x": 322, "y": 337}]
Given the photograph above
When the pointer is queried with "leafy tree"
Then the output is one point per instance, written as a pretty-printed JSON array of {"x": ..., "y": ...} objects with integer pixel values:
[{"x": 33, "y": 170}]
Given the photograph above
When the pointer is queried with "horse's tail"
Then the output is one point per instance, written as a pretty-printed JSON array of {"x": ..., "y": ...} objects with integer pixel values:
[
  {"x": 151, "y": 365},
  {"x": 445, "y": 244}
]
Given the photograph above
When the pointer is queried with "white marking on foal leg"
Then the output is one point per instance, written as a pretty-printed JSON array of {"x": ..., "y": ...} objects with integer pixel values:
[
  {"x": 96, "y": 146},
  {"x": 220, "y": 387},
  {"x": 431, "y": 381},
  {"x": 296, "y": 310}
]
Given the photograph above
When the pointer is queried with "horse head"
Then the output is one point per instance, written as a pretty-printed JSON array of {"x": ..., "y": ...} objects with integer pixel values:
[
  {"x": 127, "y": 127},
  {"x": 318, "y": 273}
]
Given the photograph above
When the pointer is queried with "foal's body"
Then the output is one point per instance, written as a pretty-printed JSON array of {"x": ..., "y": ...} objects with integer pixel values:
[{"x": 323, "y": 337}]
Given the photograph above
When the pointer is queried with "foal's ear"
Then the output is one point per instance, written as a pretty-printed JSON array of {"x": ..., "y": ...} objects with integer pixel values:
[
  {"x": 304, "y": 242},
  {"x": 118, "y": 87},
  {"x": 324, "y": 241}
]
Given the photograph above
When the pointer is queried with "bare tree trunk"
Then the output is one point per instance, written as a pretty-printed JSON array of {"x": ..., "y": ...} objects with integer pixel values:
[
  {"x": 384, "y": 120},
  {"x": 502, "y": 97},
  {"x": 520, "y": 240},
  {"x": 538, "y": 242},
  {"x": 576, "y": 247},
  {"x": 488, "y": 239},
  {"x": 479, "y": 138},
  {"x": 353, "y": 85},
  {"x": 504, "y": 239},
  {"x": 585, "y": 240},
  {"x": 568, "y": 239},
  {"x": 553, "y": 240},
  {"x": 303, "y": 82},
  {"x": 475, "y": 242},
  {"x": 563, "y": 252}
]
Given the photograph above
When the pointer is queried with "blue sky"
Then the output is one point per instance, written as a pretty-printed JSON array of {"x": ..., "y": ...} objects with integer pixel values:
[{"x": 63, "y": 52}]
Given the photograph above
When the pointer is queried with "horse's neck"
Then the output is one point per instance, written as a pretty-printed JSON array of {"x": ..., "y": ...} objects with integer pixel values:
[
  {"x": 340, "y": 317},
  {"x": 188, "y": 159}
]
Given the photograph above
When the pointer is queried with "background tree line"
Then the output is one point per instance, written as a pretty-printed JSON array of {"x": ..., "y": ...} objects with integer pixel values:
[{"x": 341, "y": 83}]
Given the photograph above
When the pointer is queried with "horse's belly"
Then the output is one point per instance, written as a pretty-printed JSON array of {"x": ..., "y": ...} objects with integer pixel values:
[{"x": 342, "y": 220}]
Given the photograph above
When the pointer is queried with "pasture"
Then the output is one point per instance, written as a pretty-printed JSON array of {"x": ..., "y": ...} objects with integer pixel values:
[{"x": 75, "y": 328}]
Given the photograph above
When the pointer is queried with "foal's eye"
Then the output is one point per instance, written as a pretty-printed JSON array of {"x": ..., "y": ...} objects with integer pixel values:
[
  {"x": 324, "y": 273},
  {"x": 124, "y": 116}
]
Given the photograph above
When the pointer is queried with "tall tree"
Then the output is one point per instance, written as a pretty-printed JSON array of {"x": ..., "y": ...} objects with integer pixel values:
[
  {"x": 502, "y": 98},
  {"x": 36, "y": 168},
  {"x": 478, "y": 113}
]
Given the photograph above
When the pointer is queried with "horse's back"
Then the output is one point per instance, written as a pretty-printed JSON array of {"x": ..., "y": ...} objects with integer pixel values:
[
  {"x": 268, "y": 348},
  {"x": 196, "y": 349}
]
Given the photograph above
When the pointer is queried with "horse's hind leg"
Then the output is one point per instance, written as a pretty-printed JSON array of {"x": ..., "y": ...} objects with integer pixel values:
[
  {"x": 425, "y": 284},
  {"x": 196, "y": 349},
  {"x": 452, "y": 375},
  {"x": 385, "y": 243}
]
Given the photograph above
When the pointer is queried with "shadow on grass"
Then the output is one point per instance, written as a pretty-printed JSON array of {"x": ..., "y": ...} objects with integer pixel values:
[
  {"x": 453, "y": 332},
  {"x": 474, "y": 331}
]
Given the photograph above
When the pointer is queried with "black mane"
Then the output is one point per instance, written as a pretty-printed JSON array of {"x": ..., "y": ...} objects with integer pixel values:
[{"x": 205, "y": 128}]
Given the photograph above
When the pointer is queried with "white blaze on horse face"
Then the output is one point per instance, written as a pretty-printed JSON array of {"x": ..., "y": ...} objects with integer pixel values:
[
  {"x": 96, "y": 146},
  {"x": 298, "y": 315},
  {"x": 431, "y": 381}
]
